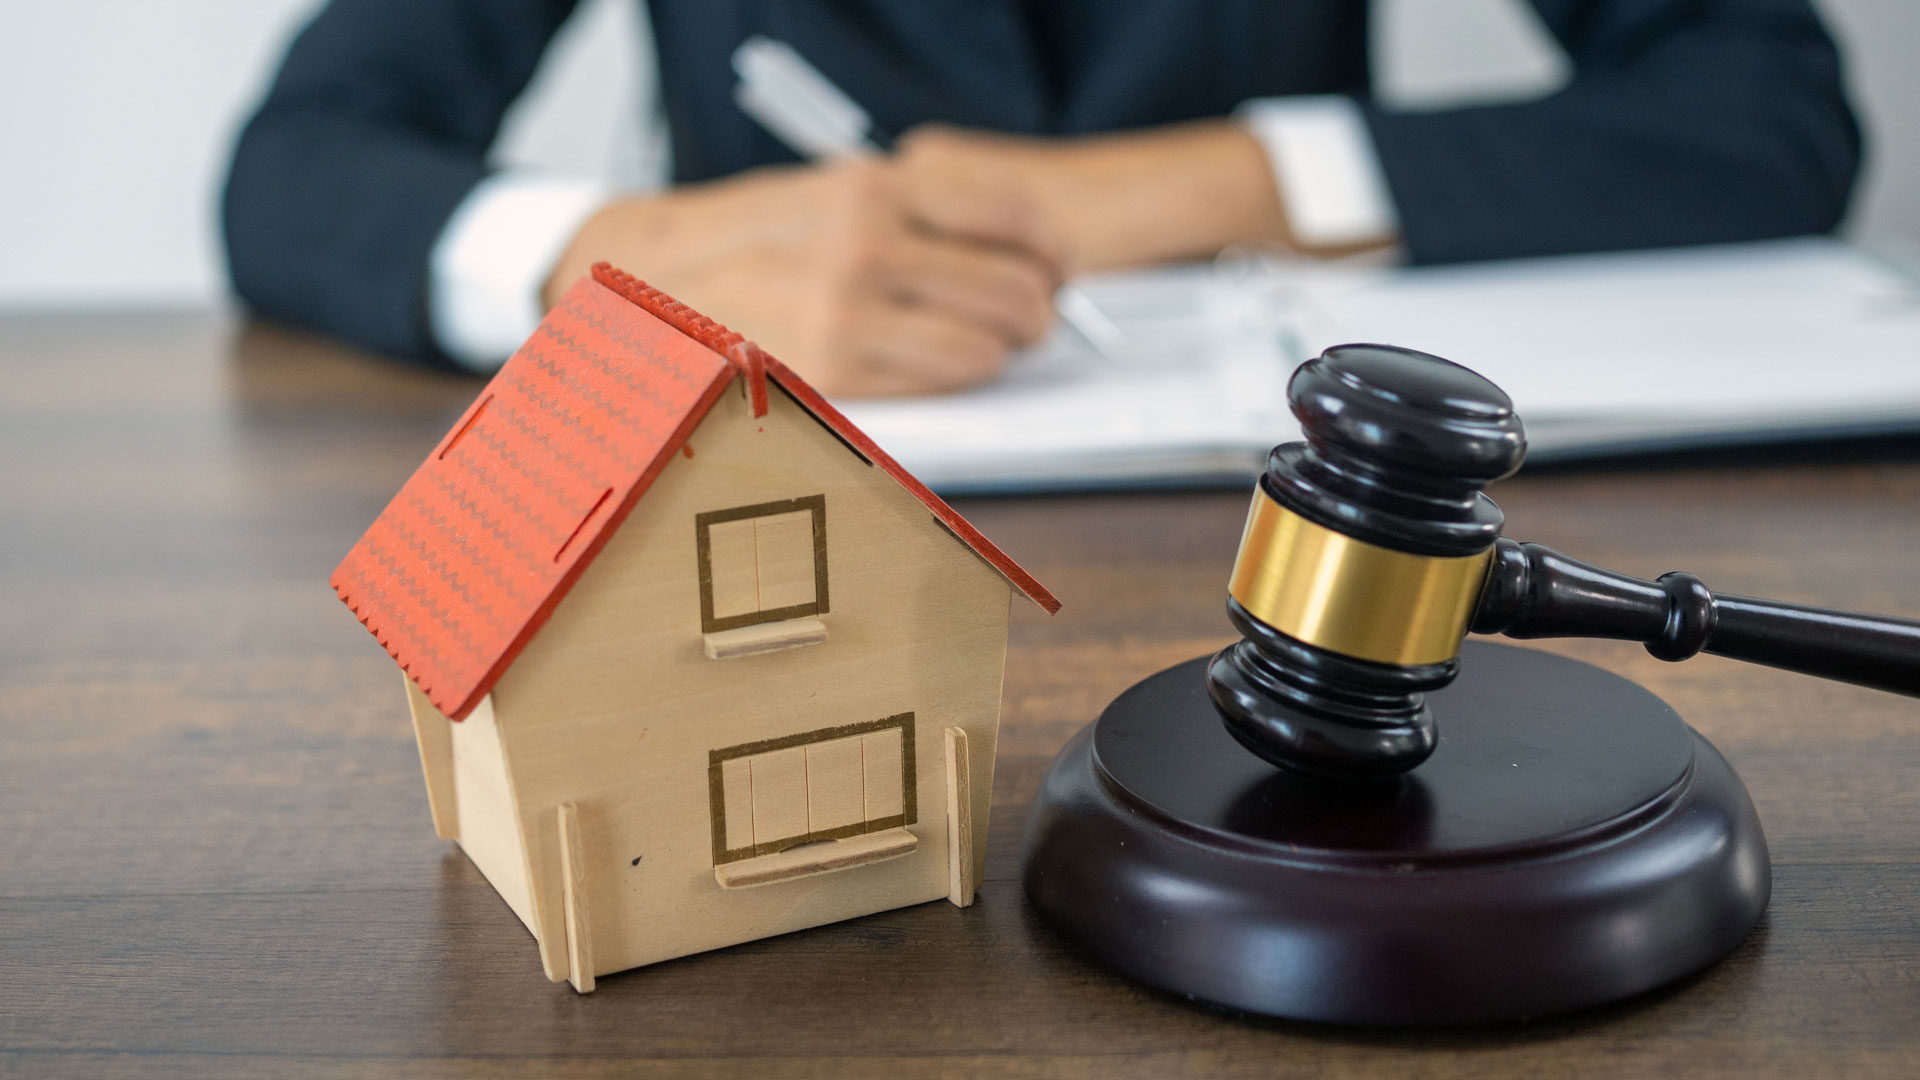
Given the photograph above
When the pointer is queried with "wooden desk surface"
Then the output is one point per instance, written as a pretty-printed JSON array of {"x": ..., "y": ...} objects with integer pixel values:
[{"x": 216, "y": 859}]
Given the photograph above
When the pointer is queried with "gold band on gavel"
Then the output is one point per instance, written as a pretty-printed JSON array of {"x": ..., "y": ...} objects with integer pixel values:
[{"x": 1351, "y": 597}]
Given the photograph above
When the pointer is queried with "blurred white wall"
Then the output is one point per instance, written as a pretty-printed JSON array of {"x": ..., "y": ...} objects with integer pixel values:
[
  {"x": 1882, "y": 42},
  {"x": 116, "y": 117}
]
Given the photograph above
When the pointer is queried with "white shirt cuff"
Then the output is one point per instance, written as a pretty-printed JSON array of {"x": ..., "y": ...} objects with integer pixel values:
[
  {"x": 1328, "y": 171},
  {"x": 494, "y": 256}
]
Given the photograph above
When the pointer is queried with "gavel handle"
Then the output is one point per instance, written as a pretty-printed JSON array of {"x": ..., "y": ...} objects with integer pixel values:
[{"x": 1533, "y": 591}]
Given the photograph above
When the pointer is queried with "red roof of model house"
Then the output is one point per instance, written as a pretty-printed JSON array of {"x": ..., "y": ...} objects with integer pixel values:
[{"x": 487, "y": 536}]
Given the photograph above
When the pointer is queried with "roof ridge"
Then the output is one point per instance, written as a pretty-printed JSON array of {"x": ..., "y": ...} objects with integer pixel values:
[
  {"x": 748, "y": 358},
  {"x": 756, "y": 364},
  {"x": 712, "y": 334},
  {"x": 963, "y": 530},
  {"x": 417, "y": 599}
]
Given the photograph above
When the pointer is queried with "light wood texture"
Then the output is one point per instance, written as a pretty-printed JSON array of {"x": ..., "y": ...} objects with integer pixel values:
[
  {"x": 736, "y": 581},
  {"x": 614, "y": 705},
  {"x": 218, "y": 860},
  {"x": 961, "y": 884},
  {"x": 783, "y": 546},
  {"x": 736, "y": 785},
  {"x": 779, "y": 795},
  {"x": 514, "y": 840},
  {"x": 573, "y": 867},
  {"x": 818, "y": 858},
  {"x": 881, "y": 784},
  {"x": 435, "y": 735},
  {"x": 485, "y": 806},
  {"x": 764, "y": 637},
  {"x": 836, "y": 790}
]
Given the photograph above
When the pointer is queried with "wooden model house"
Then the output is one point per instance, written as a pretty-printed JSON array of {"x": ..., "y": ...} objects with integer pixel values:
[{"x": 691, "y": 660}]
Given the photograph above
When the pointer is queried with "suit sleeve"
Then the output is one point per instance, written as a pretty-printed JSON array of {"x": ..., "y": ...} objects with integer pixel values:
[
  {"x": 375, "y": 129},
  {"x": 1686, "y": 122}
]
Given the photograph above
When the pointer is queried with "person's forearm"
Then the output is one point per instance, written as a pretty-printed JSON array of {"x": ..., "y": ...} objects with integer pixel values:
[
  {"x": 863, "y": 278},
  {"x": 1168, "y": 193},
  {"x": 1151, "y": 196}
]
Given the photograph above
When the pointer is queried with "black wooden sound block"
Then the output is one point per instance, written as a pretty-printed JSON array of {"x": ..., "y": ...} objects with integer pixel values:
[{"x": 1570, "y": 842}]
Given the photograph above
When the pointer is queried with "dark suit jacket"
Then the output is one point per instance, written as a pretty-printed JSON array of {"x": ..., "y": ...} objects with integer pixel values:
[{"x": 1687, "y": 121}]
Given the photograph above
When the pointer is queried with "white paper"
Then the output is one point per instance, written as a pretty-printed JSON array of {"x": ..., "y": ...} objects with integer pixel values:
[{"x": 1599, "y": 353}]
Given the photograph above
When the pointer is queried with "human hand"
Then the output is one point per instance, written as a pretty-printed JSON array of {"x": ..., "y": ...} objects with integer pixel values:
[
  {"x": 865, "y": 277},
  {"x": 1126, "y": 199}
]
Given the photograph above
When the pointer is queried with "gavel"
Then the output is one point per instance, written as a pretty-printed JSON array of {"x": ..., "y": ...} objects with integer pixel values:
[{"x": 1372, "y": 549}]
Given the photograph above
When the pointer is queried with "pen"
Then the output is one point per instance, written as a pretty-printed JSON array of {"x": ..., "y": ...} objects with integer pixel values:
[{"x": 816, "y": 119}]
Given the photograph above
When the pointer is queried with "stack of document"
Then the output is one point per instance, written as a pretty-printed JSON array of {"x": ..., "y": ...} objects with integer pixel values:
[{"x": 1602, "y": 354}]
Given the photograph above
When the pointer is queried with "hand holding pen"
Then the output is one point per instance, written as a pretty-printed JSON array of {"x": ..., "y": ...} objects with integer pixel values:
[
  {"x": 795, "y": 103},
  {"x": 865, "y": 276}
]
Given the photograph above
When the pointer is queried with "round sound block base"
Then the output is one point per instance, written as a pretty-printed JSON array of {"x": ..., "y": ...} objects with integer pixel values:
[{"x": 1570, "y": 842}]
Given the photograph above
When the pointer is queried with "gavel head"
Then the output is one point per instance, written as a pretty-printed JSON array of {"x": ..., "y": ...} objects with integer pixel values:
[{"x": 1362, "y": 560}]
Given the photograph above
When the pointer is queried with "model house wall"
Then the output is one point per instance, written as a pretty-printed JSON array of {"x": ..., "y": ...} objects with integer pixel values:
[{"x": 617, "y": 709}]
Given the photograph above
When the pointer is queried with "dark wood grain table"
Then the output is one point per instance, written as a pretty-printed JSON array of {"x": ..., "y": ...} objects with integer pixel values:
[{"x": 216, "y": 858}]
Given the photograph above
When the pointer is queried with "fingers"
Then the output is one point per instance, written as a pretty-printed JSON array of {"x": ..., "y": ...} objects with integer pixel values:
[
  {"x": 978, "y": 186},
  {"x": 984, "y": 213},
  {"x": 917, "y": 314},
  {"x": 1004, "y": 292},
  {"x": 873, "y": 279},
  {"x": 949, "y": 243},
  {"x": 885, "y": 349}
]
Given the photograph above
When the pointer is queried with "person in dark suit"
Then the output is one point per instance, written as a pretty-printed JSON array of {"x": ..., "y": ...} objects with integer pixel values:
[{"x": 1038, "y": 139}]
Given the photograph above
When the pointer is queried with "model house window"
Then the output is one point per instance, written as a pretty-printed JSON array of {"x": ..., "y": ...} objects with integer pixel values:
[
  {"x": 828, "y": 784},
  {"x": 762, "y": 563}
]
